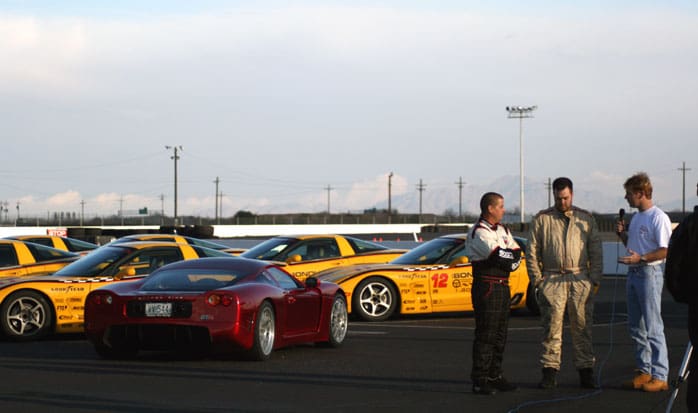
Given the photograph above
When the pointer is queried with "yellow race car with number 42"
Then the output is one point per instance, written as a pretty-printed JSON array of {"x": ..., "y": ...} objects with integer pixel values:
[{"x": 431, "y": 278}]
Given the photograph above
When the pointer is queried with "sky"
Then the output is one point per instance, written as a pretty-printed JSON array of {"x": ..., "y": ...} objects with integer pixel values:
[{"x": 305, "y": 106}]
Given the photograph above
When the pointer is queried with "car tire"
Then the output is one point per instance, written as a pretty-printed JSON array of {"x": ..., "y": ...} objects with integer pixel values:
[
  {"x": 531, "y": 300},
  {"x": 264, "y": 333},
  {"x": 338, "y": 322},
  {"x": 26, "y": 315},
  {"x": 375, "y": 299}
]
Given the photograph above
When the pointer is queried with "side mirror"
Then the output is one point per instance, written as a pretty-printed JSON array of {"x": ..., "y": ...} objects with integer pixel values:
[
  {"x": 459, "y": 261},
  {"x": 127, "y": 271},
  {"x": 294, "y": 258},
  {"x": 311, "y": 282}
]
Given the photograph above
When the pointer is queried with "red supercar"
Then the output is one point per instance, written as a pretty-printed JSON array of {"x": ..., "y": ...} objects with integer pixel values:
[{"x": 215, "y": 304}]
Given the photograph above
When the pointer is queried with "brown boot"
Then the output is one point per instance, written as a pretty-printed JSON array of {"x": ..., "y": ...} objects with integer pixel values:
[
  {"x": 655, "y": 385},
  {"x": 636, "y": 383}
]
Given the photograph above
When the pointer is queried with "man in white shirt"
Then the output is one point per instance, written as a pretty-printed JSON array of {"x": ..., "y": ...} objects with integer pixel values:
[{"x": 647, "y": 239}]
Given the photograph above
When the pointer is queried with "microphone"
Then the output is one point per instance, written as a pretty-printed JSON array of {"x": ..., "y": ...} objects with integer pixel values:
[{"x": 621, "y": 214}]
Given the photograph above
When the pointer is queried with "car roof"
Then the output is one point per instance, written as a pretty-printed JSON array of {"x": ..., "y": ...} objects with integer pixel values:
[
  {"x": 246, "y": 264},
  {"x": 146, "y": 244}
]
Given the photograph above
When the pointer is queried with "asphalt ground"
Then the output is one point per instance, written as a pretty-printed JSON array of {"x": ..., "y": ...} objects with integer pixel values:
[{"x": 408, "y": 364}]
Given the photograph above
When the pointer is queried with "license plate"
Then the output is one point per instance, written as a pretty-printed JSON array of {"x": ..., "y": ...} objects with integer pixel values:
[{"x": 158, "y": 309}]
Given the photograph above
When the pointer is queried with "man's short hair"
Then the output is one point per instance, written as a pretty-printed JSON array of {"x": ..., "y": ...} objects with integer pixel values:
[
  {"x": 561, "y": 183},
  {"x": 490, "y": 198},
  {"x": 639, "y": 182}
]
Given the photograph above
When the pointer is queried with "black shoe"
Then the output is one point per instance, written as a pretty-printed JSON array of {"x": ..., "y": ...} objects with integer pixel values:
[
  {"x": 548, "y": 381},
  {"x": 501, "y": 384},
  {"x": 586, "y": 379},
  {"x": 483, "y": 386}
]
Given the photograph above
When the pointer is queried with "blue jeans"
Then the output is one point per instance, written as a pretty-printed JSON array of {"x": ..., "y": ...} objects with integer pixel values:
[{"x": 644, "y": 289}]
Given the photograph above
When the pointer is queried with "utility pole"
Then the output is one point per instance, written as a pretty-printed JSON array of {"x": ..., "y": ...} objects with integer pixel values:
[
  {"x": 328, "y": 189},
  {"x": 460, "y": 184},
  {"x": 121, "y": 209},
  {"x": 421, "y": 188},
  {"x": 390, "y": 206},
  {"x": 216, "y": 182},
  {"x": 549, "y": 188},
  {"x": 162, "y": 209},
  {"x": 175, "y": 157},
  {"x": 521, "y": 112},
  {"x": 683, "y": 169},
  {"x": 220, "y": 207}
]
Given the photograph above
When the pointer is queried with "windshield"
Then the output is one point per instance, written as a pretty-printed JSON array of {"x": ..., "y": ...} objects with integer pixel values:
[
  {"x": 190, "y": 279},
  {"x": 96, "y": 263},
  {"x": 272, "y": 249},
  {"x": 207, "y": 244},
  {"x": 439, "y": 250}
]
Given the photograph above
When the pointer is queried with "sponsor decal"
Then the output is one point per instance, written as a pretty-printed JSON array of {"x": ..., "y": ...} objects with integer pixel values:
[
  {"x": 80, "y": 308},
  {"x": 61, "y": 307},
  {"x": 405, "y": 291},
  {"x": 65, "y": 317},
  {"x": 68, "y": 289},
  {"x": 408, "y": 301},
  {"x": 303, "y": 274},
  {"x": 412, "y": 276},
  {"x": 456, "y": 283}
]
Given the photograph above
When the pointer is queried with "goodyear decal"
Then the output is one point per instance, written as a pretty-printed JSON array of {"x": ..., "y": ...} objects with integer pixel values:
[{"x": 68, "y": 289}]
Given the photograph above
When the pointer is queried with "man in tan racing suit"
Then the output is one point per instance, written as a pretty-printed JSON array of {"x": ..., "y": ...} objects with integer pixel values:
[{"x": 564, "y": 262}]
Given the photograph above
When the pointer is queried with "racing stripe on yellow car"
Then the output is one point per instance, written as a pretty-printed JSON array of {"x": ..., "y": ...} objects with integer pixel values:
[
  {"x": 435, "y": 267},
  {"x": 88, "y": 280}
]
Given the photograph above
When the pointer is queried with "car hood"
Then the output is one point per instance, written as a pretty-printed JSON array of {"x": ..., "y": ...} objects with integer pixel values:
[{"x": 339, "y": 274}]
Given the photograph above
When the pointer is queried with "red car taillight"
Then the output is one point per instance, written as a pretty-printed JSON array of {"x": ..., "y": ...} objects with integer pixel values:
[
  {"x": 100, "y": 299},
  {"x": 220, "y": 299}
]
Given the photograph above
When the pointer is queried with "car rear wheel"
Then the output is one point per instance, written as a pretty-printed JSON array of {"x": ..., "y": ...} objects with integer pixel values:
[
  {"x": 339, "y": 321},
  {"x": 264, "y": 333},
  {"x": 26, "y": 315},
  {"x": 375, "y": 299}
]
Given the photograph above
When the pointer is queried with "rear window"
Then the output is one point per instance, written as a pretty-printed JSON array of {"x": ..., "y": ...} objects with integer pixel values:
[
  {"x": 360, "y": 245},
  {"x": 189, "y": 279},
  {"x": 43, "y": 253}
]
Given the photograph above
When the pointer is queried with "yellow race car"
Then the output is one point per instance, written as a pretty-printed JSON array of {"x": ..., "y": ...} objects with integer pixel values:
[
  {"x": 306, "y": 255},
  {"x": 180, "y": 239},
  {"x": 32, "y": 307},
  {"x": 434, "y": 277},
  {"x": 19, "y": 258},
  {"x": 62, "y": 243}
]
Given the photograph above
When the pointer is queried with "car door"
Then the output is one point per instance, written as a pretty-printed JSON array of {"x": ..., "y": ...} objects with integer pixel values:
[
  {"x": 301, "y": 305},
  {"x": 449, "y": 286}
]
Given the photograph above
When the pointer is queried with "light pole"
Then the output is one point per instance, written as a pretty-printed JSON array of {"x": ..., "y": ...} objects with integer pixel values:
[
  {"x": 390, "y": 206},
  {"x": 176, "y": 158},
  {"x": 521, "y": 112}
]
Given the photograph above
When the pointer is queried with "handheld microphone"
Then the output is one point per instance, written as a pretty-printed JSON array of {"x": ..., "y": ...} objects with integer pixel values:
[{"x": 621, "y": 214}]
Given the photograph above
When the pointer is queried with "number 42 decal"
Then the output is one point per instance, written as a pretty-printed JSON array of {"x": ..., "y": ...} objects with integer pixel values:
[{"x": 439, "y": 280}]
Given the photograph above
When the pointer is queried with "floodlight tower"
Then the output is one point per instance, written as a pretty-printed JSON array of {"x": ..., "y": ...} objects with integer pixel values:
[
  {"x": 175, "y": 157},
  {"x": 521, "y": 112}
]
